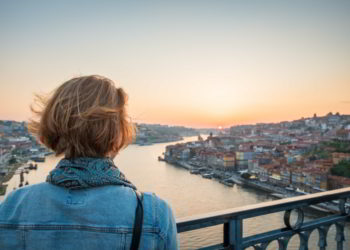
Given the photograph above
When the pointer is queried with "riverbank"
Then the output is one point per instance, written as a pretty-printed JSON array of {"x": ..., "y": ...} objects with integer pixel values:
[
  {"x": 229, "y": 177},
  {"x": 8, "y": 176},
  {"x": 11, "y": 172}
]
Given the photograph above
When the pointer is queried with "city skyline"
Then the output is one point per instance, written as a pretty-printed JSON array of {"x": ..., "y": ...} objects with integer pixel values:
[{"x": 186, "y": 63}]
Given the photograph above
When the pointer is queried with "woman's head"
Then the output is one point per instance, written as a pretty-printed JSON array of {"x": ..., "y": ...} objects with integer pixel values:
[{"x": 84, "y": 117}]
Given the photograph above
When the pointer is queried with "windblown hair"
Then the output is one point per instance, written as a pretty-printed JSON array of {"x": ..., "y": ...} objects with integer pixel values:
[{"x": 84, "y": 117}]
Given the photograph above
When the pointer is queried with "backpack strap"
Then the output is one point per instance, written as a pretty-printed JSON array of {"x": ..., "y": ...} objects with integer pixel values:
[{"x": 136, "y": 234}]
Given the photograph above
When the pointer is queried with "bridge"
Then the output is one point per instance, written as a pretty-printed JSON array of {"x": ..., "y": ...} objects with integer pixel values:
[{"x": 293, "y": 208}]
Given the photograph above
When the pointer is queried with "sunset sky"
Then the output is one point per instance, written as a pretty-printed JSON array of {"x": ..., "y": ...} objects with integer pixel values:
[{"x": 193, "y": 63}]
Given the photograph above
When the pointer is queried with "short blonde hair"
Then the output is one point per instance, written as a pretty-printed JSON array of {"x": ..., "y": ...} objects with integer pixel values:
[{"x": 84, "y": 117}]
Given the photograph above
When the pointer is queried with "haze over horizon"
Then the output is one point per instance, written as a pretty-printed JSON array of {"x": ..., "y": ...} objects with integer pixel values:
[{"x": 191, "y": 63}]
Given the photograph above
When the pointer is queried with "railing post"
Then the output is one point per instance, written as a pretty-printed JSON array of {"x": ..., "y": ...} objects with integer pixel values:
[
  {"x": 322, "y": 240},
  {"x": 340, "y": 238},
  {"x": 304, "y": 240},
  {"x": 233, "y": 233}
]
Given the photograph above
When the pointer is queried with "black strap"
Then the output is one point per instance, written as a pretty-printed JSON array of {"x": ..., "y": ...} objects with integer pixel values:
[{"x": 136, "y": 234}]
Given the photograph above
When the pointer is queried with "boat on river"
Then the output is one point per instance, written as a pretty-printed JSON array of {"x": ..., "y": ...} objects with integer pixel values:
[
  {"x": 226, "y": 183},
  {"x": 38, "y": 158},
  {"x": 207, "y": 175},
  {"x": 184, "y": 165},
  {"x": 145, "y": 143},
  {"x": 32, "y": 166},
  {"x": 236, "y": 180},
  {"x": 195, "y": 171}
]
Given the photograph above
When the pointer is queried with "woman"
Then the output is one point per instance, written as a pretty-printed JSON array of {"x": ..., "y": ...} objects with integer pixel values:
[{"x": 86, "y": 202}]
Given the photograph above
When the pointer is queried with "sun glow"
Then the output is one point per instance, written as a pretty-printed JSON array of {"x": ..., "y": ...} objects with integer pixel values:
[{"x": 243, "y": 65}]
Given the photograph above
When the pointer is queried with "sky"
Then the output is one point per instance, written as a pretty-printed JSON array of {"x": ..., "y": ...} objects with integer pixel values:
[{"x": 192, "y": 63}]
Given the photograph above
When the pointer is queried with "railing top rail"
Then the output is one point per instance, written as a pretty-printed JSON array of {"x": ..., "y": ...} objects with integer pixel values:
[{"x": 224, "y": 216}]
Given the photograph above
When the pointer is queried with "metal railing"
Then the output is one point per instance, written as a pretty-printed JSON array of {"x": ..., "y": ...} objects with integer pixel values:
[{"x": 232, "y": 221}]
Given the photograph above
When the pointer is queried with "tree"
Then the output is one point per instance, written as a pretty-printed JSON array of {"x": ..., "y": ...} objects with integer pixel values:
[
  {"x": 12, "y": 161},
  {"x": 342, "y": 169}
]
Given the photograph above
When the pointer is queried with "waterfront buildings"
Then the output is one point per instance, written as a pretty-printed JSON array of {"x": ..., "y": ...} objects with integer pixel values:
[
  {"x": 16, "y": 146},
  {"x": 298, "y": 154}
]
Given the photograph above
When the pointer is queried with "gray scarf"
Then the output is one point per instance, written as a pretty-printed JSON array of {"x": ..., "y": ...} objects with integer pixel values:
[{"x": 85, "y": 172}]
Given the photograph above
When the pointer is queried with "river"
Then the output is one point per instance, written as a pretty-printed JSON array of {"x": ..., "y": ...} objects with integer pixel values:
[{"x": 188, "y": 195}]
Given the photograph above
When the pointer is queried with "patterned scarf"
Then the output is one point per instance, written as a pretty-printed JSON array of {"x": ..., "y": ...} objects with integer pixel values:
[{"x": 85, "y": 172}]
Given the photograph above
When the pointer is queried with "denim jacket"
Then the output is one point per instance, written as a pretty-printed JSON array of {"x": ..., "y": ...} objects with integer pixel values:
[{"x": 45, "y": 216}]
